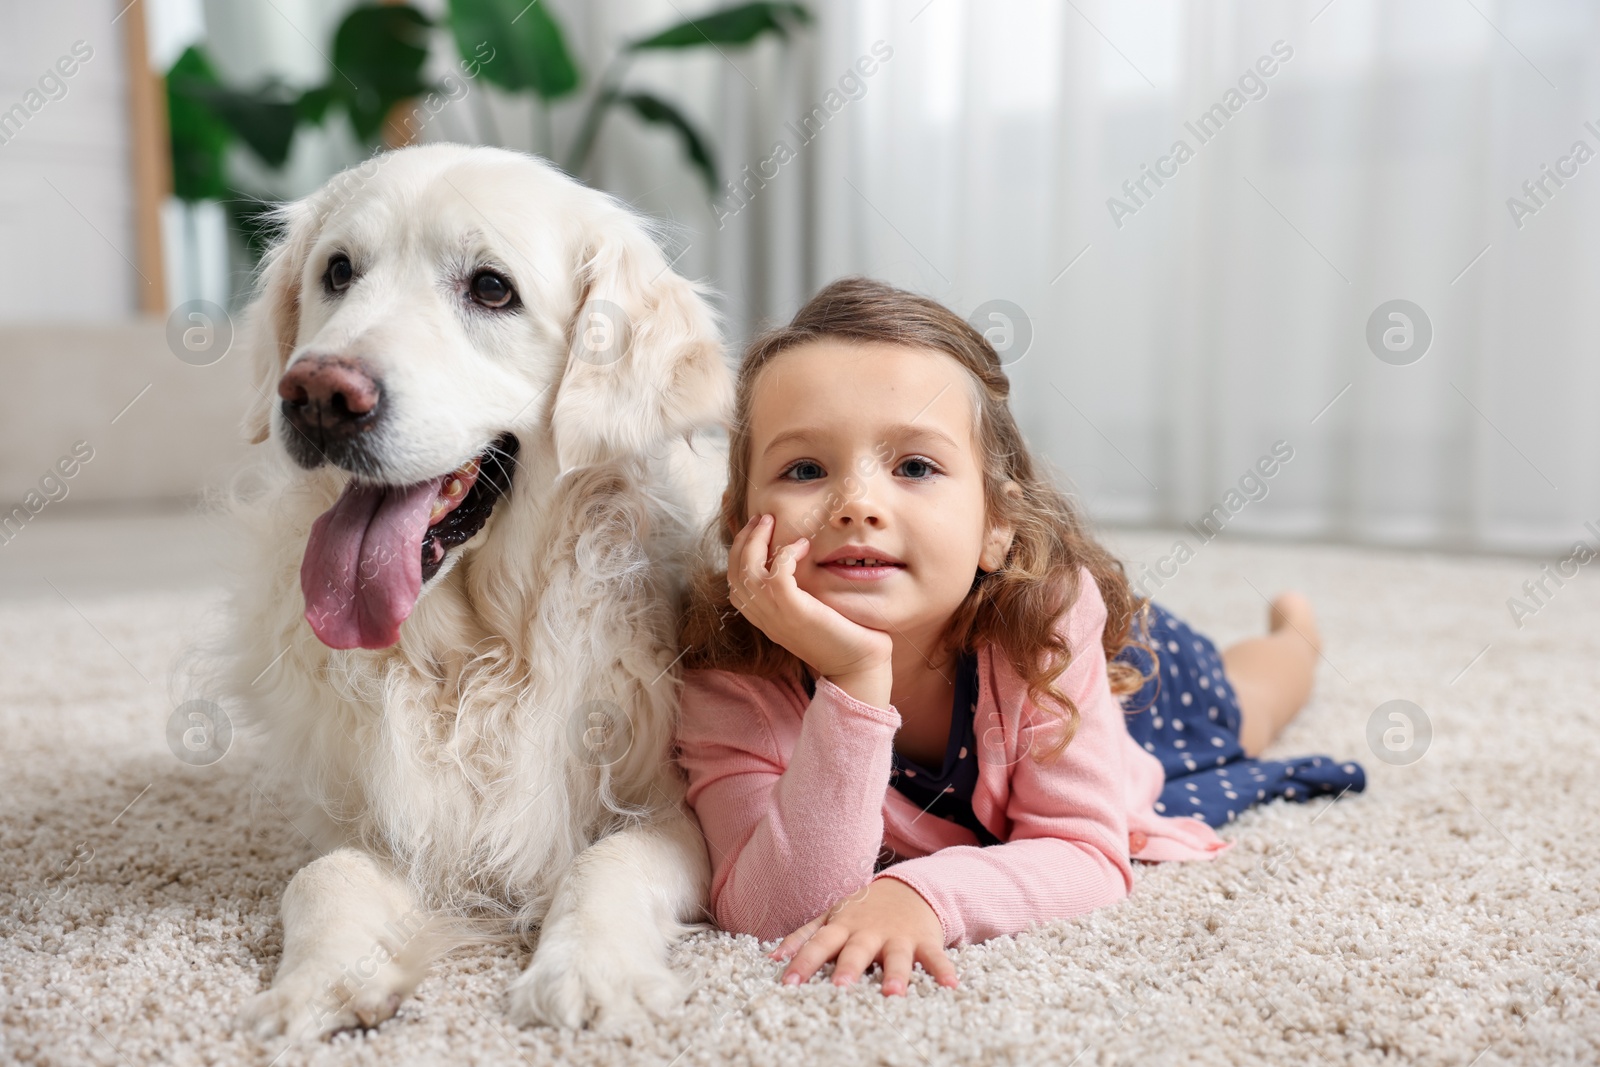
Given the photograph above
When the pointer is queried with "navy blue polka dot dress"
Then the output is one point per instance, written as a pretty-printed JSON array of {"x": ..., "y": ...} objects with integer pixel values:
[{"x": 1187, "y": 716}]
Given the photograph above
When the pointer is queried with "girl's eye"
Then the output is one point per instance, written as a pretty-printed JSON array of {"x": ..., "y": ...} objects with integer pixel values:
[
  {"x": 804, "y": 471},
  {"x": 918, "y": 468}
]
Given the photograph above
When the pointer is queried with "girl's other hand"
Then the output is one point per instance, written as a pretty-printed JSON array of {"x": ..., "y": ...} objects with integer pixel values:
[
  {"x": 852, "y": 656},
  {"x": 888, "y": 923}
]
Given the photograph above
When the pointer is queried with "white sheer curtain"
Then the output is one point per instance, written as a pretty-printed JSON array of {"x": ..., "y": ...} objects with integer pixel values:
[
  {"x": 1229, "y": 310},
  {"x": 1178, "y": 339}
]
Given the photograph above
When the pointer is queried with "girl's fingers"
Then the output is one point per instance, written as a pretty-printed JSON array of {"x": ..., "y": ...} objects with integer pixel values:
[
  {"x": 897, "y": 960},
  {"x": 747, "y": 563},
  {"x": 735, "y": 575},
  {"x": 761, "y": 538},
  {"x": 787, "y": 557},
  {"x": 736, "y": 552},
  {"x": 780, "y": 583},
  {"x": 856, "y": 956},
  {"x": 797, "y": 938},
  {"x": 753, "y": 562},
  {"x": 936, "y": 963},
  {"x": 774, "y": 579},
  {"x": 736, "y": 546},
  {"x": 814, "y": 953}
]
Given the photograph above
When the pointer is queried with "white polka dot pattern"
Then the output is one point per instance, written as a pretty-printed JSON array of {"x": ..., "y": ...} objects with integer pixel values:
[{"x": 1166, "y": 719}]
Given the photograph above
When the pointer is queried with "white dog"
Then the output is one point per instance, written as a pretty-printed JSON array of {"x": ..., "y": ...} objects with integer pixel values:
[{"x": 477, "y": 488}]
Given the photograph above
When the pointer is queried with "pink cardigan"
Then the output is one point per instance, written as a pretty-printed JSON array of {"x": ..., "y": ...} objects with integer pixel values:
[{"x": 795, "y": 803}]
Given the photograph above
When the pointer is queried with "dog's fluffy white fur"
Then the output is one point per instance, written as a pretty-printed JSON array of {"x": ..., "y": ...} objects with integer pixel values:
[{"x": 508, "y": 761}]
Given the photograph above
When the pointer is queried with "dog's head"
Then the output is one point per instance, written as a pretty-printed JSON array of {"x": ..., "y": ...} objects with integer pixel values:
[{"x": 433, "y": 313}]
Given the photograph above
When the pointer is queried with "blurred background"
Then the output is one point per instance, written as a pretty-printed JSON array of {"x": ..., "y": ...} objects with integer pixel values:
[{"x": 1347, "y": 241}]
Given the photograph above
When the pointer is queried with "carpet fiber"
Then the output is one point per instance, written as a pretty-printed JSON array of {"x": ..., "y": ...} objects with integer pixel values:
[{"x": 1448, "y": 915}]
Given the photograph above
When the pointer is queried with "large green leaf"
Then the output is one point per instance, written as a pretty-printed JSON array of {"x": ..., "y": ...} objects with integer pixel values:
[
  {"x": 733, "y": 25},
  {"x": 655, "y": 110},
  {"x": 199, "y": 137},
  {"x": 378, "y": 53},
  {"x": 529, "y": 50},
  {"x": 313, "y": 104},
  {"x": 265, "y": 119},
  {"x": 205, "y": 116}
]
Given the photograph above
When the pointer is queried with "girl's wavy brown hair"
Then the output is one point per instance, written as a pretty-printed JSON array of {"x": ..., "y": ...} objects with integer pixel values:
[{"x": 1017, "y": 607}]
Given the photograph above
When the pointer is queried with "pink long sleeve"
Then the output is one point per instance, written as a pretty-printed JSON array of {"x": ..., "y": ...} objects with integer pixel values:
[
  {"x": 795, "y": 802},
  {"x": 1068, "y": 849},
  {"x": 786, "y": 841}
]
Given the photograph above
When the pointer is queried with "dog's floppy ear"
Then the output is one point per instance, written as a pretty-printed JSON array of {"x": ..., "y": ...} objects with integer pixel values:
[
  {"x": 272, "y": 322},
  {"x": 644, "y": 354}
]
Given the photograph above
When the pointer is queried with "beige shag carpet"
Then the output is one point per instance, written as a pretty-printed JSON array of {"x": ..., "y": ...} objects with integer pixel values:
[{"x": 1446, "y": 916}]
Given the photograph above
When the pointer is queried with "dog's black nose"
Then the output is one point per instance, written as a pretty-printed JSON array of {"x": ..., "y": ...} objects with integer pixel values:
[{"x": 330, "y": 398}]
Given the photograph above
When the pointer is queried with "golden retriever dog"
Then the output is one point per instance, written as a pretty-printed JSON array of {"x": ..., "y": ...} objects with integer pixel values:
[{"x": 481, "y": 463}]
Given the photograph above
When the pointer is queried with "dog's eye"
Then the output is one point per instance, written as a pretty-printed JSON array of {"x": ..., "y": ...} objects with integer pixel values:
[
  {"x": 340, "y": 272},
  {"x": 492, "y": 290}
]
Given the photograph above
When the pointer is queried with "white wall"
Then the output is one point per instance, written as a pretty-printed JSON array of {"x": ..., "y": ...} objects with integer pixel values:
[
  {"x": 66, "y": 203},
  {"x": 159, "y": 428}
]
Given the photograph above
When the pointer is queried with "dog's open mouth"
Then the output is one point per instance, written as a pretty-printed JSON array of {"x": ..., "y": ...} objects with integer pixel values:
[{"x": 368, "y": 555}]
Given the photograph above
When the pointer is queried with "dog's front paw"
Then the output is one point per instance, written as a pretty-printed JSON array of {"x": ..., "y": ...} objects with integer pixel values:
[
  {"x": 299, "y": 1009},
  {"x": 612, "y": 987}
]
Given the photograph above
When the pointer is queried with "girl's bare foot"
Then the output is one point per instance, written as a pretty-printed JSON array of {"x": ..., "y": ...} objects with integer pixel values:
[
  {"x": 1271, "y": 676},
  {"x": 1293, "y": 610}
]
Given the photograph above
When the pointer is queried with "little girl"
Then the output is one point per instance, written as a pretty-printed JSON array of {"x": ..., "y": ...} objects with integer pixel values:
[{"x": 900, "y": 721}]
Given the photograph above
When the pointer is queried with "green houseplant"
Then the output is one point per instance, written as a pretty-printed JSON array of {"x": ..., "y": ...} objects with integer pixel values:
[{"x": 376, "y": 62}]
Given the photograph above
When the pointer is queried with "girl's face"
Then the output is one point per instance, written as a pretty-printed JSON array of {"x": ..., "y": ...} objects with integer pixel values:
[{"x": 870, "y": 451}]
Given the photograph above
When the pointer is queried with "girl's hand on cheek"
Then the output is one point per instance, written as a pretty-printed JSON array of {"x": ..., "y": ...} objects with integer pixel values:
[
  {"x": 888, "y": 922},
  {"x": 831, "y": 644}
]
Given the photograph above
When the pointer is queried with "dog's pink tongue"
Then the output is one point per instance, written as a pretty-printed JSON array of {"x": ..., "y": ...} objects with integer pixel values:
[{"x": 362, "y": 570}]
